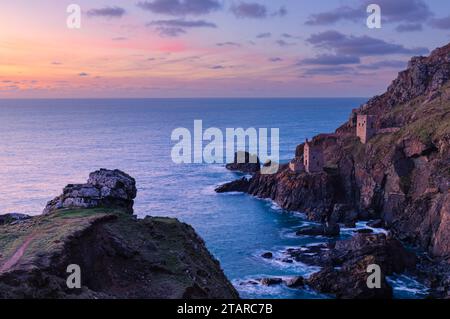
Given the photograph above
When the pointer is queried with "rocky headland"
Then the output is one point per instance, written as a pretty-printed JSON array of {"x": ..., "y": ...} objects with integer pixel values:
[
  {"x": 91, "y": 225},
  {"x": 397, "y": 174}
]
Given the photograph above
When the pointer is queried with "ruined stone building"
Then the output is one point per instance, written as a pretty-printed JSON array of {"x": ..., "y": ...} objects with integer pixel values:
[
  {"x": 313, "y": 158},
  {"x": 296, "y": 165},
  {"x": 365, "y": 127}
]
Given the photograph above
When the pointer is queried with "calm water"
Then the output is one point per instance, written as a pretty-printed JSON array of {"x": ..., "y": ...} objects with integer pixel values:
[{"x": 46, "y": 144}]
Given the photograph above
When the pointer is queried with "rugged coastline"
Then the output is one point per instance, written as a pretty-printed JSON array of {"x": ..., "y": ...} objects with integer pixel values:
[
  {"x": 91, "y": 225},
  {"x": 397, "y": 175}
]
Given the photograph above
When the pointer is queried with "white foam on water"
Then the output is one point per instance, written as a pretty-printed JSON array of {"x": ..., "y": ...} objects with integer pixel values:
[
  {"x": 360, "y": 226},
  {"x": 243, "y": 286},
  {"x": 277, "y": 261},
  {"x": 232, "y": 193},
  {"x": 407, "y": 286}
]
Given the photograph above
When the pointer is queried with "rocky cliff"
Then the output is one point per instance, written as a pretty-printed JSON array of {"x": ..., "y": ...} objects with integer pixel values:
[
  {"x": 400, "y": 175},
  {"x": 104, "y": 188},
  {"x": 118, "y": 255}
]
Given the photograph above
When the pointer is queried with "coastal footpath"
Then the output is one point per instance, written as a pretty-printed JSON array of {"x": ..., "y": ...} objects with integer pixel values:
[
  {"x": 91, "y": 225},
  {"x": 389, "y": 163}
]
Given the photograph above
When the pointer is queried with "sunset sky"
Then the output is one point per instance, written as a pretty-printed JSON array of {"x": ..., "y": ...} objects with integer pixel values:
[{"x": 212, "y": 48}]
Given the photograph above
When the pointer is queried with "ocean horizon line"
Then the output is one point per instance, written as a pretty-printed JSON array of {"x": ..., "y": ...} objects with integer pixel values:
[{"x": 187, "y": 98}]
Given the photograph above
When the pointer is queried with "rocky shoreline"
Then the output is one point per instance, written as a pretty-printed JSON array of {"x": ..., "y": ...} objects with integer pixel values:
[
  {"x": 398, "y": 175},
  {"x": 92, "y": 225}
]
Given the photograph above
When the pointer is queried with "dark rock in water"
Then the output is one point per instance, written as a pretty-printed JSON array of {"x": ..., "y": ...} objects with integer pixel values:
[
  {"x": 271, "y": 281},
  {"x": 310, "y": 231},
  {"x": 329, "y": 230},
  {"x": 353, "y": 256},
  {"x": 267, "y": 255},
  {"x": 389, "y": 253},
  {"x": 245, "y": 162},
  {"x": 332, "y": 230},
  {"x": 12, "y": 218},
  {"x": 104, "y": 189},
  {"x": 295, "y": 282},
  {"x": 317, "y": 255},
  {"x": 379, "y": 223},
  {"x": 312, "y": 194},
  {"x": 350, "y": 282},
  {"x": 240, "y": 185},
  {"x": 436, "y": 275}
]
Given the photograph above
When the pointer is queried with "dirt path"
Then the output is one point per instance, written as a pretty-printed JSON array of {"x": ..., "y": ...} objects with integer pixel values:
[{"x": 12, "y": 261}]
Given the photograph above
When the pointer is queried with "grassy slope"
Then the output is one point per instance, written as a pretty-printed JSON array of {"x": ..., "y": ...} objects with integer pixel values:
[
  {"x": 169, "y": 258},
  {"x": 49, "y": 231}
]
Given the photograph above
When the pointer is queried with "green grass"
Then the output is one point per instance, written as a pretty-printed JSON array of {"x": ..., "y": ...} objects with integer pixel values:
[
  {"x": 82, "y": 213},
  {"x": 49, "y": 231}
]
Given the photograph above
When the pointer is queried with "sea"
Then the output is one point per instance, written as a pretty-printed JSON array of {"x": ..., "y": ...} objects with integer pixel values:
[{"x": 47, "y": 144}]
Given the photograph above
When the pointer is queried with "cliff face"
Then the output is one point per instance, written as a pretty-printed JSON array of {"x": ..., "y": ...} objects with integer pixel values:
[
  {"x": 401, "y": 174},
  {"x": 118, "y": 255},
  {"x": 104, "y": 188}
]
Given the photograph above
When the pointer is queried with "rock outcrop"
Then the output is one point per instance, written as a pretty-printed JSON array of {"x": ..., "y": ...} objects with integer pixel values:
[
  {"x": 327, "y": 229},
  {"x": 119, "y": 256},
  {"x": 346, "y": 265},
  {"x": 104, "y": 188},
  {"x": 240, "y": 185},
  {"x": 245, "y": 162}
]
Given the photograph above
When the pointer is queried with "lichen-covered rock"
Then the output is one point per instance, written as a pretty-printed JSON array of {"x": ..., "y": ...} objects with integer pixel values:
[{"x": 104, "y": 188}]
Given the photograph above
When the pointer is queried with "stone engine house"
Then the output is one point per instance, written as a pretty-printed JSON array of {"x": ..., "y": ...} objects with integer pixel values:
[
  {"x": 296, "y": 165},
  {"x": 313, "y": 158},
  {"x": 365, "y": 127}
]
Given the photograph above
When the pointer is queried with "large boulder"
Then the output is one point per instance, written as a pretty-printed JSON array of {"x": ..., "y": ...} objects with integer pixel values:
[
  {"x": 104, "y": 188},
  {"x": 327, "y": 229},
  {"x": 350, "y": 282},
  {"x": 245, "y": 162},
  {"x": 346, "y": 263},
  {"x": 388, "y": 252}
]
